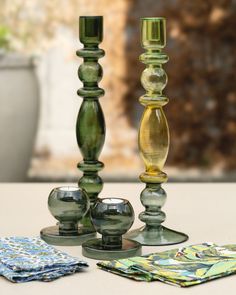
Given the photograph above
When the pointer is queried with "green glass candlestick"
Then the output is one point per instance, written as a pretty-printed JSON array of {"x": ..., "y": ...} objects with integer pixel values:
[
  {"x": 154, "y": 138},
  {"x": 68, "y": 205},
  {"x": 112, "y": 217},
  {"x": 90, "y": 127}
]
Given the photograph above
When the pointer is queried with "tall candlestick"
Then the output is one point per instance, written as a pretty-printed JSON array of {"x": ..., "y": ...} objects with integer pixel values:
[
  {"x": 154, "y": 137},
  {"x": 90, "y": 127}
]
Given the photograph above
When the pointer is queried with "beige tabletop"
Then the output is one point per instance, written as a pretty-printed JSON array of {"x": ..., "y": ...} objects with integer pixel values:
[{"x": 206, "y": 212}]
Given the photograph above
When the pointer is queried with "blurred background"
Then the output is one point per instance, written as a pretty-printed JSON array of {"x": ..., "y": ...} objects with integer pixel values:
[{"x": 38, "y": 84}]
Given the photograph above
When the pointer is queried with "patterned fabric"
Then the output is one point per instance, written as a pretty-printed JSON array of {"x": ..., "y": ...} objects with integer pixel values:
[
  {"x": 183, "y": 267},
  {"x": 24, "y": 259}
]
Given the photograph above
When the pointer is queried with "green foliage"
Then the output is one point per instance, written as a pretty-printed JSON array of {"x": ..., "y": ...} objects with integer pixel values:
[{"x": 4, "y": 38}]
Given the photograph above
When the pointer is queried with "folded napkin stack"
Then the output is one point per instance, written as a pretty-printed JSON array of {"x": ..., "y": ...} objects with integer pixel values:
[
  {"x": 184, "y": 267},
  {"x": 24, "y": 259}
]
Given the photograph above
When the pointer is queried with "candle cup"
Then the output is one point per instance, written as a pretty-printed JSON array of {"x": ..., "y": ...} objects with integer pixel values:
[
  {"x": 68, "y": 205},
  {"x": 112, "y": 218}
]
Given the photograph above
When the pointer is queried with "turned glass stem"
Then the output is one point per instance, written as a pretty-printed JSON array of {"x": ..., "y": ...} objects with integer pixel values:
[
  {"x": 112, "y": 242},
  {"x": 90, "y": 127},
  {"x": 153, "y": 131},
  {"x": 153, "y": 138},
  {"x": 68, "y": 228}
]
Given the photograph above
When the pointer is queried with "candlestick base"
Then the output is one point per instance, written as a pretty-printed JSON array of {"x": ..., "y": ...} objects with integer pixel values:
[
  {"x": 86, "y": 223},
  {"x": 156, "y": 236},
  {"x": 51, "y": 235},
  {"x": 95, "y": 250}
]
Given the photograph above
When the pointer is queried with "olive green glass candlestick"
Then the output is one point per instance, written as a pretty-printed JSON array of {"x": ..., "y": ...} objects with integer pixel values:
[
  {"x": 154, "y": 138},
  {"x": 90, "y": 127},
  {"x": 112, "y": 217},
  {"x": 68, "y": 205}
]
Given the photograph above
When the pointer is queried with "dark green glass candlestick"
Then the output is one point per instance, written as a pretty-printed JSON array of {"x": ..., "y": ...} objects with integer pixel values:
[
  {"x": 112, "y": 217},
  {"x": 68, "y": 205},
  {"x": 154, "y": 138},
  {"x": 90, "y": 127}
]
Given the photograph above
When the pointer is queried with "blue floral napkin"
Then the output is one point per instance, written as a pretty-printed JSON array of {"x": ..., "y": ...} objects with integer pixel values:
[{"x": 24, "y": 259}]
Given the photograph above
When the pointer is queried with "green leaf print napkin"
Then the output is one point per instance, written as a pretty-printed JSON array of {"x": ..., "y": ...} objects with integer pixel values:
[{"x": 186, "y": 266}]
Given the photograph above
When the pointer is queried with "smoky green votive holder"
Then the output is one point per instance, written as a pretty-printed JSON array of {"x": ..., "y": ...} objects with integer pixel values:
[
  {"x": 112, "y": 218},
  {"x": 68, "y": 205}
]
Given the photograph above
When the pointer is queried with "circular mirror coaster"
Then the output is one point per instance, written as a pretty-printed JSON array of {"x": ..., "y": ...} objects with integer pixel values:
[
  {"x": 53, "y": 236},
  {"x": 94, "y": 249}
]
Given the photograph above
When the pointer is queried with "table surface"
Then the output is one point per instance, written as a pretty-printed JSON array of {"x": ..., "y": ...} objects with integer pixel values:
[{"x": 206, "y": 212}]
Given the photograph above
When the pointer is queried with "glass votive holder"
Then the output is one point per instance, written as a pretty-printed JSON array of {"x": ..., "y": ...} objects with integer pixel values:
[
  {"x": 112, "y": 218},
  {"x": 68, "y": 205}
]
